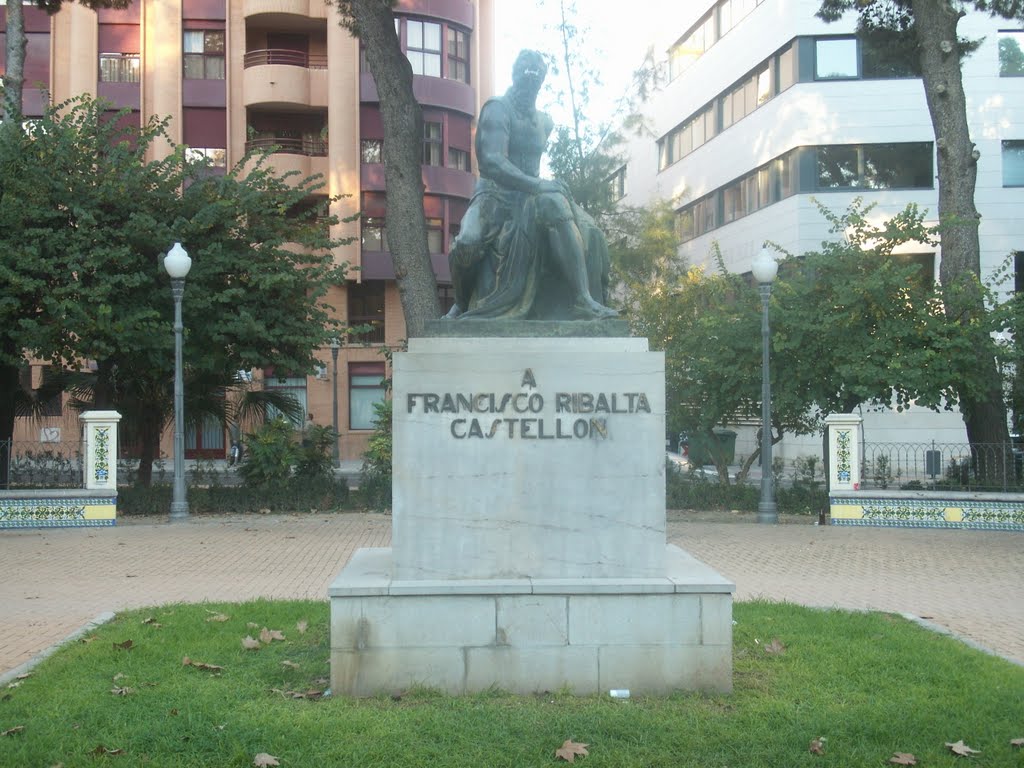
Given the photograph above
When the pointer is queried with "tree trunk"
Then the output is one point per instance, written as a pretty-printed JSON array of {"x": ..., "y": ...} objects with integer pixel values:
[
  {"x": 403, "y": 152},
  {"x": 9, "y": 384},
  {"x": 14, "y": 58},
  {"x": 984, "y": 412}
]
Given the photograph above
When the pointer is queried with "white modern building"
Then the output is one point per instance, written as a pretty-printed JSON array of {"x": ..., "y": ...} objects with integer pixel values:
[{"x": 765, "y": 108}]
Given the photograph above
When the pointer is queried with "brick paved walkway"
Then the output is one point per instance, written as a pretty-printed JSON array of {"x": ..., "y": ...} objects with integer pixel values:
[{"x": 54, "y": 581}]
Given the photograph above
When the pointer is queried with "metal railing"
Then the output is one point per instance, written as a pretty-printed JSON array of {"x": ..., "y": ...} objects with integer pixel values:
[
  {"x": 311, "y": 147},
  {"x": 943, "y": 466},
  {"x": 286, "y": 57},
  {"x": 40, "y": 465}
]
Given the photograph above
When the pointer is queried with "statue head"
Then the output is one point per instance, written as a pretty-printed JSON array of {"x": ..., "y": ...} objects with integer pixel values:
[{"x": 529, "y": 71}]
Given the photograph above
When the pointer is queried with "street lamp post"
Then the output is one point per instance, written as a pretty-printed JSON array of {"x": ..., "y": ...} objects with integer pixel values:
[
  {"x": 764, "y": 270},
  {"x": 335, "y": 346},
  {"x": 177, "y": 263}
]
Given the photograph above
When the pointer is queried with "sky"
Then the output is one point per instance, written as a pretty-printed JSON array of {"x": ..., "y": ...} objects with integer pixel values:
[{"x": 615, "y": 49}]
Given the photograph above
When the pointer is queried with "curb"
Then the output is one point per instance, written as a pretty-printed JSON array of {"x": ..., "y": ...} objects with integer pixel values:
[{"x": 21, "y": 669}]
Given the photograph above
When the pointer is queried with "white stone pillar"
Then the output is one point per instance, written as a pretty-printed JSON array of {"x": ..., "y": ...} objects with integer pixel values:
[
  {"x": 99, "y": 446},
  {"x": 843, "y": 451}
]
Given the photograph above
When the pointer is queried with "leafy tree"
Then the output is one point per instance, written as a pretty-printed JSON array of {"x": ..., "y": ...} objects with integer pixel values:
[
  {"x": 372, "y": 21},
  {"x": 851, "y": 324},
  {"x": 84, "y": 220},
  {"x": 931, "y": 27}
]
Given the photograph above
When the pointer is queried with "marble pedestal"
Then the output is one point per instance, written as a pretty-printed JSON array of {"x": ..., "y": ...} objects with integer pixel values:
[{"x": 528, "y": 547}]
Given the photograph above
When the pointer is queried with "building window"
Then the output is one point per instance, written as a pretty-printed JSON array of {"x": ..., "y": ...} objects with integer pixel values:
[
  {"x": 216, "y": 157},
  {"x": 435, "y": 235},
  {"x": 446, "y": 295},
  {"x": 366, "y": 308},
  {"x": 119, "y": 67},
  {"x": 206, "y": 440},
  {"x": 835, "y": 58},
  {"x": 890, "y": 58},
  {"x": 617, "y": 184},
  {"x": 687, "y": 137},
  {"x": 785, "y": 68},
  {"x": 294, "y": 386},
  {"x": 431, "y": 143},
  {"x": 1013, "y": 163},
  {"x": 423, "y": 47},
  {"x": 374, "y": 237},
  {"x": 1011, "y": 53},
  {"x": 691, "y": 47},
  {"x": 875, "y": 166},
  {"x": 204, "y": 54},
  {"x": 697, "y": 219},
  {"x": 365, "y": 389},
  {"x": 458, "y": 55},
  {"x": 371, "y": 151},
  {"x": 458, "y": 159}
]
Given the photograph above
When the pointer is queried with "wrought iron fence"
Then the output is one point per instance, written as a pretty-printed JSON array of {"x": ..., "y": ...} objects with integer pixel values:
[
  {"x": 40, "y": 465},
  {"x": 943, "y": 466}
]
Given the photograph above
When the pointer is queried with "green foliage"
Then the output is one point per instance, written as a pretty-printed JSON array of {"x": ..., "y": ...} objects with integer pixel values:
[
  {"x": 321, "y": 494},
  {"x": 84, "y": 221},
  {"x": 270, "y": 452},
  {"x": 315, "y": 454},
  {"x": 851, "y": 323},
  {"x": 375, "y": 480}
]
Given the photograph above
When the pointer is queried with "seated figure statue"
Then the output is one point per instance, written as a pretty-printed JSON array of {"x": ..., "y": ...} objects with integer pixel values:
[{"x": 525, "y": 249}]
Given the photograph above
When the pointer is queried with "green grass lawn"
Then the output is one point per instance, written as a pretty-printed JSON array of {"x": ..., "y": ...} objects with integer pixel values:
[{"x": 870, "y": 685}]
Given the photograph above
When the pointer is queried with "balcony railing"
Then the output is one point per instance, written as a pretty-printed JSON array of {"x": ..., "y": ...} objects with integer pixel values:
[
  {"x": 311, "y": 147},
  {"x": 286, "y": 57}
]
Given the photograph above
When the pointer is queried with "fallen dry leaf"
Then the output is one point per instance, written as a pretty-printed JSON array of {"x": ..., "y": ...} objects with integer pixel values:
[
  {"x": 87, "y": 640},
  {"x": 252, "y": 625},
  {"x": 263, "y": 760},
  {"x": 127, "y": 645},
  {"x": 187, "y": 662},
  {"x": 961, "y": 749},
  {"x": 312, "y": 695},
  {"x": 120, "y": 676},
  {"x": 122, "y": 691},
  {"x": 25, "y": 676},
  {"x": 217, "y": 617},
  {"x": 1017, "y": 742},
  {"x": 12, "y": 731},
  {"x": 152, "y": 622},
  {"x": 903, "y": 758},
  {"x": 570, "y": 749},
  {"x": 302, "y": 626},
  {"x": 173, "y": 712},
  {"x": 102, "y": 751},
  {"x": 817, "y": 746},
  {"x": 14, "y": 685},
  {"x": 289, "y": 664},
  {"x": 269, "y": 635},
  {"x": 250, "y": 643},
  {"x": 775, "y": 647}
]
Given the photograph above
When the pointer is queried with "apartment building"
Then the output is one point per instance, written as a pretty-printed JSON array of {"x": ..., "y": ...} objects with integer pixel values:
[
  {"x": 765, "y": 108},
  {"x": 237, "y": 74}
]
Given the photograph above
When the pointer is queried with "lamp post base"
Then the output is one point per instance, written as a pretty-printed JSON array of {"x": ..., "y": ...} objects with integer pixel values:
[
  {"x": 179, "y": 510},
  {"x": 767, "y": 513}
]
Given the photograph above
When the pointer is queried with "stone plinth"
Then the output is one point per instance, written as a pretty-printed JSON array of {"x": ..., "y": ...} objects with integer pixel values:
[
  {"x": 529, "y": 530},
  {"x": 522, "y": 457},
  {"x": 650, "y": 635}
]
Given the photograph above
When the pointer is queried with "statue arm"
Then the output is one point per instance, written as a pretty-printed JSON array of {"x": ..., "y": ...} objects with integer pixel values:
[{"x": 492, "y": 141}]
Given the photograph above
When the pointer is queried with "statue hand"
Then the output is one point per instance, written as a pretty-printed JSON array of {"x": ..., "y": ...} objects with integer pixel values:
[{"x": 554, "y": 186}]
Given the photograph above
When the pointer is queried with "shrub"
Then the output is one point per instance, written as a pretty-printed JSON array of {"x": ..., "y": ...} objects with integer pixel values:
[
  {"x": 375, "y": 479},
  {"x": 270, "y": 453},
  {"x": 316, "y": 454},
  {"x": 321, "y": 494}
]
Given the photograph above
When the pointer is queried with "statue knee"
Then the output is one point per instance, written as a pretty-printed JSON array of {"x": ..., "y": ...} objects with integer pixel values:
[{"x": 553, "y": 208}]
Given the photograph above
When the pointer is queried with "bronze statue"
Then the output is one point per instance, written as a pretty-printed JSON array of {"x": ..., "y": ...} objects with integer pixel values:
[{"x": 525, "y": 249}]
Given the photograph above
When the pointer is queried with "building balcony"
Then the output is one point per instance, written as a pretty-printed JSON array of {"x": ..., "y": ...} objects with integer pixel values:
[
  {"x": 276, "y": 77},
  {"x": 304, "y": 156},
  {"x": 316, "y": 9}
]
